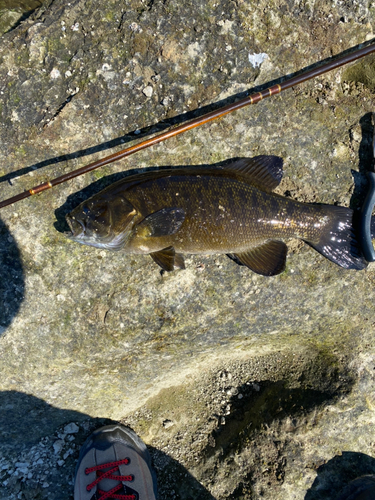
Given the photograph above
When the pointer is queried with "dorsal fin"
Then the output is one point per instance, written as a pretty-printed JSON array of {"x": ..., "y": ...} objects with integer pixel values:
[
  {"x": 267, "y": 259},
  {"x": 262, "y": 171}
]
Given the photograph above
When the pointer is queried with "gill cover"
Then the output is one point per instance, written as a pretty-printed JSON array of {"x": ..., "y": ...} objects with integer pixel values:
[{"x": 102, "y": 223}]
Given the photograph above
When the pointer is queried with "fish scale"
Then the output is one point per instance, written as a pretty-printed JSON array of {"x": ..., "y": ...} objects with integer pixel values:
[{"x": 224, "y": 215}]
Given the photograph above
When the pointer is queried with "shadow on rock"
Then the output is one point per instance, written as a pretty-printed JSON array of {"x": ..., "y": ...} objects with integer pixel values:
[
  {"x": 257, "y": 421},
  {"x": 365, "y": 164},
  {"x": 365, "y": 157},
  {"x": 40, "y": 445},
  {"x": 12, "y": 283},
  {"x": 258, "y": 404},
  {"x": 25, "y": 419},
  {"x": 174, "y": 481},
  {"x": 337, "y": 473}
]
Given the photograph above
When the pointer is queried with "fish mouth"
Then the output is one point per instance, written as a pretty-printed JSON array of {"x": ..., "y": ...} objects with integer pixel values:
[{"x": 77, "y": 229}]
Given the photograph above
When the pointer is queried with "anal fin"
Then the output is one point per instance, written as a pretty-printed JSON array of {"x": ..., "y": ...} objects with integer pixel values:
[
  {"x": 267, "y": 259},
  {"x": 168, "y": 259}
]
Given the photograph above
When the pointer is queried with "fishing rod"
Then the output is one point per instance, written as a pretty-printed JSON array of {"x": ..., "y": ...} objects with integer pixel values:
[{"x": 213, "y": 115}]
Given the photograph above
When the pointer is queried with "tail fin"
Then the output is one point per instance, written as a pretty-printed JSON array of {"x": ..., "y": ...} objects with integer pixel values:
[{"x": 339, "y": 242}]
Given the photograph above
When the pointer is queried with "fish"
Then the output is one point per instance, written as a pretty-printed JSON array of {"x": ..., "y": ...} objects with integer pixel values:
[{"x": 228, "y": 209}]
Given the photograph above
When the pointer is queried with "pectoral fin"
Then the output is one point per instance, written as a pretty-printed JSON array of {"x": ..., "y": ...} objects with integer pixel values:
[
  {"x": 164, "y": 222},
  {"x": 168, "y": 259},
  {"x": 267, "y": 259}
]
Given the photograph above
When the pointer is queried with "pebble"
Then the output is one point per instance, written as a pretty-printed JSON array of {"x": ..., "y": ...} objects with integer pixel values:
[
  {"x": 55, "y": 73},
  {"x": 58, "y": 446},
  {"x": 67, "y": 453},
  {"x": 39, "y": 465},
  {"x": 135, "y": 28},
  {"x": 166, "y": 101},
  {"x": 71, "y": 428},
  {"x": 167, "y": 423},
  {"x": 148, "y": 91},
  {"x": 23, "y": 470},
  {"x": 257, "y": 59}
]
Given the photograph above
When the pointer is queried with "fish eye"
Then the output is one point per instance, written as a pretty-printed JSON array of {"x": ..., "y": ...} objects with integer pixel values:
[{"x": 86, "y": 210}]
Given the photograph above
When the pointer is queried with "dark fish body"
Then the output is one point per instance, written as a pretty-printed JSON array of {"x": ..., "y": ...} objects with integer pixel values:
[{"x": 229, "y": 210}]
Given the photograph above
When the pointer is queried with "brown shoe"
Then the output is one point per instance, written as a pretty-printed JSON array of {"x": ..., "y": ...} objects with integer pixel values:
[
  {"x": 362, "y": 488},
  {"x": 114, "y": 463}
]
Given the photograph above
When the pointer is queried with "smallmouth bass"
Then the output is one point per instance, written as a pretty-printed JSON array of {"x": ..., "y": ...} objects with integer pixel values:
[{"x": 210, "y": 210}]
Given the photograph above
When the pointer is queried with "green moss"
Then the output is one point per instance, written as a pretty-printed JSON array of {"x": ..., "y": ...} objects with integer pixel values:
[
  {"x": 96, "y": 175},
  {"x": 340, "y": 339},
  {"x": 22, "y": 58},
  {"x": 67, "y": 319},
  {"x": 217, "y": 157},
  {"x": 56, "y": 47},
  {"x": 109, "y": 16},
  {"x": 20, "y": 150},
  {"x": 211, "y": 291},
  {"x": 312, "y": 278},
  {"x": 167, "y": 401},
  {"x": 143, "y": 426},
  {"x": 141, "y": 43},
  {"x": 362, "y": 72},
  {"x": 286, "y": 273}
]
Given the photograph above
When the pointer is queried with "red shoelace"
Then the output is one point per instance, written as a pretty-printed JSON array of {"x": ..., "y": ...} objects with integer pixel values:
[{"x": 109, "y": 474}]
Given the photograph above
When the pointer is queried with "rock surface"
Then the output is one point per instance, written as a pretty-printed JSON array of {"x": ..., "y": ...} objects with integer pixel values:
[{"x": 242, "y": 386}]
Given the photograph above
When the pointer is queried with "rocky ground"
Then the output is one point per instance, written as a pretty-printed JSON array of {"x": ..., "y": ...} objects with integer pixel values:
[{"x": 243, "y": 387}]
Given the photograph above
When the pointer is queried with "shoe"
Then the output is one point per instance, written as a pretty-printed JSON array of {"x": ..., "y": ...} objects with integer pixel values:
[
  {"x": 362, "y": 488},
  {"x": 114, "y": 463}
]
